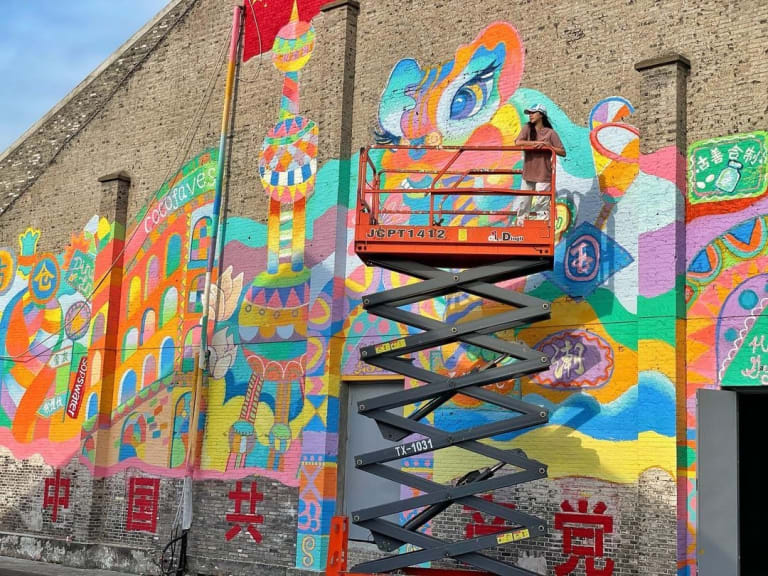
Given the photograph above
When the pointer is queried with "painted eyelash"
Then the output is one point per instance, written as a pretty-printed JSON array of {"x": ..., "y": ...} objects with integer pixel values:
[
  {"x": 487, "y": 72},
  {"x": 484, "y": 74}
]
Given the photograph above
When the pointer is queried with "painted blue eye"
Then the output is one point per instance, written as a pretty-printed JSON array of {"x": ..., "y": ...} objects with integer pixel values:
[
  {"x": 472, "y": 96},
  {"x": 464, "y": 104}
]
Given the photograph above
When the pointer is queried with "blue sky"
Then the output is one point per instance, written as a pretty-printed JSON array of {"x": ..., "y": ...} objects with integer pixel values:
[{"x": 47, "y": 47}]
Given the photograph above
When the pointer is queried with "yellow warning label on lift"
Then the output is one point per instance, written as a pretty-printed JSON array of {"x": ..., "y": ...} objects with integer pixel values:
[
  {"x": 387, "y": 346},
  {"x": 521, "y": 534}
]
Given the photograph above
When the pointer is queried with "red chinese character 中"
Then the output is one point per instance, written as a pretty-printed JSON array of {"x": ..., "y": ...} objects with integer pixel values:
[
  {"x": 238, "y": 517},
  {"x": 143, "y": 494},
  {"x": 479, "y": 527},
  {"x": 583, "y": 537},
  {"x": 53, "y": 496}
]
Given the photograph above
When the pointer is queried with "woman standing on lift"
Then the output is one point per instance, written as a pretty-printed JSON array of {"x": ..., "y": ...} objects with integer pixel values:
[{"x": 537, "y": 165}]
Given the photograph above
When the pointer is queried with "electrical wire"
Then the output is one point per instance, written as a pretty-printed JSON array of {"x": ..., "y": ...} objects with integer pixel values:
[
  {"x": 261, "y": 46},
  {"x": 256, "y": 23}
]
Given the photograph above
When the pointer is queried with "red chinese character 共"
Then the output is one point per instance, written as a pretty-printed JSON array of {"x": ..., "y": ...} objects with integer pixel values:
[
  {"x": 52, "y": 495},
  {"x": 583, "y": 537},
  {"x": 239, "y": 517},
  {"x": 478, "y": 525},
  {"x": 143, "y": 494}
]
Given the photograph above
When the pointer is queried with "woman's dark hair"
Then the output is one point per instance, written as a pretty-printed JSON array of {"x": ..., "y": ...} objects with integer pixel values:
[{"x": 544, "y": 120}]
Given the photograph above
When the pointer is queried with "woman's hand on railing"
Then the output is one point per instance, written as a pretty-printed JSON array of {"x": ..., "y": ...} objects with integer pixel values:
[{"x": 534, "y": 144}]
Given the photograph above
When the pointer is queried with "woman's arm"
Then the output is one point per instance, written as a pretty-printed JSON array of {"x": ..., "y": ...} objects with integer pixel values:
[
  {"x": 538, "y": 144},
  {"x": 556, "y": 144},
  {"x": 534, "y": 143},
  {"x": 523, "y": 137}
]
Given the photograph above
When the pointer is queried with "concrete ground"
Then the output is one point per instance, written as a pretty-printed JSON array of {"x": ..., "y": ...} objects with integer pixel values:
[{"x": 18, "y": 567}]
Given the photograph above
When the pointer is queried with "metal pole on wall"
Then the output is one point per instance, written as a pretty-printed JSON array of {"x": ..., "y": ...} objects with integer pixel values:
[{"x": 201, "y": 376}]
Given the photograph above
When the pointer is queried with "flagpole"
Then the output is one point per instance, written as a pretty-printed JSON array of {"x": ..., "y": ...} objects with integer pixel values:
[
  {"x": 201, "y": 375},
  {"x": 219, "y": 179}
]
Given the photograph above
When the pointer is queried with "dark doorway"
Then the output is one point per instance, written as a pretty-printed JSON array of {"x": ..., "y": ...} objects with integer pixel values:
[
  {"x": 730, "y": 488},
  {"x": 753, "y": 407}
]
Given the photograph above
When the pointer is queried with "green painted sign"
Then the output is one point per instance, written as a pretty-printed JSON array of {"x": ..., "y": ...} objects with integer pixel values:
[
  {"x": 80, "y": 273},
  {"x": 749, "y": 366},
  {"x": 52, "y": 405},
  {"x": 728, "y": 168}
]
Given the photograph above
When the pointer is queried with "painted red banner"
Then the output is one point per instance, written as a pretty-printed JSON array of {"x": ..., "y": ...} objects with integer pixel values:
[
  {"x": 78, "y": 389},
  {"x": 263, "y": 19}
]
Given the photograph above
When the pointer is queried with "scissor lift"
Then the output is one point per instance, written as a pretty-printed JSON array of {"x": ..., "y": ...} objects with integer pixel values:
[{"x": 461, "y": 231}]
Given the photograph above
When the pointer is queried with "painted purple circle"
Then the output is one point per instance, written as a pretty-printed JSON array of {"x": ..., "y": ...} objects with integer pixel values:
[
  {"x": 579, "y": 359},
  {"x": 77, "y": 320}
]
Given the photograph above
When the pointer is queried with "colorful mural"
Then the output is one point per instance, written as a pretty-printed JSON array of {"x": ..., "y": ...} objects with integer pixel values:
[
  {"x": 596, "y": 380},
  {"x": 476, "y": 99},
  {"x": 726, "y": 282},
  {"x": 288, "y": 319}
]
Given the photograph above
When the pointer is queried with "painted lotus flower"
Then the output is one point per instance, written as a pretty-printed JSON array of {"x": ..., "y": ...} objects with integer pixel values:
[{"x": 223, "y": 298}]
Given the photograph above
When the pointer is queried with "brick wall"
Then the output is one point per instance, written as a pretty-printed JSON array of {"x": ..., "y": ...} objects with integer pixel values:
[{"x": 578, "y": 53}]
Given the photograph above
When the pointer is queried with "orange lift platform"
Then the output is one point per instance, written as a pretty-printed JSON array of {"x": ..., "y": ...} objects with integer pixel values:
[
  {"x": 457, "y": 219},
  {"x": 465, "y": 214}
]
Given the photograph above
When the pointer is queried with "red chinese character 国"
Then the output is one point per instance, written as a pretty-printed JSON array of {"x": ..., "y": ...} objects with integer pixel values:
[
  {"x": 583, "y": 537},
  {"x": 53, "y": 496},
  {"x": 143, "y": 495},
  {"x": 479, "y": 527},
  {"x": 249, "y": 518}
]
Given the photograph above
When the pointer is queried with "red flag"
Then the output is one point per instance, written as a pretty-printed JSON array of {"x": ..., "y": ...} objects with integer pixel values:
[{"x": 264, "y": 18}]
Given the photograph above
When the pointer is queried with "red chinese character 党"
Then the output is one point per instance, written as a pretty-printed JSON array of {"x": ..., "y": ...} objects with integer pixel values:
[
  {"x": 52, "y": 495},
  {"x": 478, "y": 525},
  {"x": 238, "y": 517},
  {"x": 143, "y": 494},
  {"x": 583, "y": 537}
]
